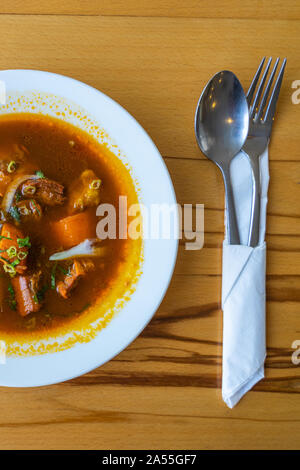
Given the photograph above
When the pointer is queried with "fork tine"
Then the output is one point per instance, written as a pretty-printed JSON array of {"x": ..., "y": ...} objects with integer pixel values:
[
  {"x": 260, "y": 89},
  {"x": 252, "y": 87},
  {"x": 267, "y": 91},
  {"x": 275, "y": 93}
]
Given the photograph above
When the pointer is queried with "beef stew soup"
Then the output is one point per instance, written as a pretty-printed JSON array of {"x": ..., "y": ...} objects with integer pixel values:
[{"x": 52, "y": 178}]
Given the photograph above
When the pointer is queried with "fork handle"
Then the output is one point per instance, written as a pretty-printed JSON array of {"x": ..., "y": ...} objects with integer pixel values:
[
  {"x": 253, "y": 239},
  {"x": 232, "y": 227}
]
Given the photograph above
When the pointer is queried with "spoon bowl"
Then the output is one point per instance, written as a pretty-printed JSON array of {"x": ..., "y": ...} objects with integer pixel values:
[{"x": 221, "y": 128}]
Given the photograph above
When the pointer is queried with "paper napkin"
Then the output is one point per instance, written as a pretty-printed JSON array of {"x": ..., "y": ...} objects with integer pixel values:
[{"x": 243, "y": 289}]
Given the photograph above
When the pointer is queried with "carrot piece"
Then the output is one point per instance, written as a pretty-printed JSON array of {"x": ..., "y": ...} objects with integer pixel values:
[
  {"x": 9, "y": 239},
  {"x": 24, "y": 295},
  {"x": 74, "y": 229}
]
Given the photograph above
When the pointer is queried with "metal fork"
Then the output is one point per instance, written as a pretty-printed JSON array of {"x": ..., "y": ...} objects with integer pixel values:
[{"x": 261, "y": 117}]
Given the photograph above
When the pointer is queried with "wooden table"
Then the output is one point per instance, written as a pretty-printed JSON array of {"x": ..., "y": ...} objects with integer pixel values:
[{"x": 163, "y": 391}]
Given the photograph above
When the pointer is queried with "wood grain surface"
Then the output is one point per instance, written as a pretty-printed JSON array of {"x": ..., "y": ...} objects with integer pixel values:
[{"x": 163, "y": 391}]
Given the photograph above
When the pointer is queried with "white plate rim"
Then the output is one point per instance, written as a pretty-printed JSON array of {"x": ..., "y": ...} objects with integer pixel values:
[{"x": 38, "y": 370}]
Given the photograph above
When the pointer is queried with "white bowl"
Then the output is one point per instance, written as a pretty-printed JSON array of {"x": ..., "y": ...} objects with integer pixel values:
[{"x": 155, "y": 185}]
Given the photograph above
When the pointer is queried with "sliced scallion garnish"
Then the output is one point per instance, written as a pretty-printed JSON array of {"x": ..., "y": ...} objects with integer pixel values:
[{"x": 11, "y": 167}]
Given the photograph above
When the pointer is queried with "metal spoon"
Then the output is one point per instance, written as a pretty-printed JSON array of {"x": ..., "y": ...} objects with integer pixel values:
[{"x": 221, "y": 128}]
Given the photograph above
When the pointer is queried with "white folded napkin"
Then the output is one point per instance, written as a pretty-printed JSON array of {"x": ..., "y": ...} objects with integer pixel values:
[{"x": 243, "y": 289}]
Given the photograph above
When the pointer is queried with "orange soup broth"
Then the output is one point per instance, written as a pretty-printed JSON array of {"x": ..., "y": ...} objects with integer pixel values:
[{"x": 62, "y": 151}]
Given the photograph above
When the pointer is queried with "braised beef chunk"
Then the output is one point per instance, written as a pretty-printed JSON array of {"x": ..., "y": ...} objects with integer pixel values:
[
  {"x": 44, "y": 191},
  {"x": 84, "y": 192},
  {"x": 26, "y": 289},
  {"x": 29, "y": 210},
  {"x": 70, "y": 281}
]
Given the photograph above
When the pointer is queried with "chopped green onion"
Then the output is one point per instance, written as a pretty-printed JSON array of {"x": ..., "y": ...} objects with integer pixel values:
[
  {"x": 95, "y": 184},
  {"x": 11, "y": 251},
  {"x": 23, "y": 242},
  {"x": 29, "y": 190},
  {"x": 11, "y": 301},
  {"x": 11, "y": 291},
  {"x": 53, "y": 271},
  {"x": 23, "y": 210},
  {"x": 8, "y": 268},
  {"x": 41, "y": 293},
  {"x": 63, "y": 270},
  {"x": 15, "y": 262},
  {"x": 35, "y": 206},
  {"x": 22, "y": 255},
  {"x": 2, "y": 237},
  {"x": 18, "y": 196},
  {"x": 40, "y": 174},
  {"x": 11, "y": 166}
]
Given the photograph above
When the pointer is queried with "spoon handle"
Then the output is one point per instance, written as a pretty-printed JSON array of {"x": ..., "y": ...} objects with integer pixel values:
[{"x": 232, "y": 227}]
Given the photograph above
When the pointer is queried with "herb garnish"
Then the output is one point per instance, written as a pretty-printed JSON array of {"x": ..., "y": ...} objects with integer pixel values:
[
  {"x": 23, "y": 242},
  {"x": 11, "y": 166},
  {"x": 35, "y": 206},
  {"x": 9, "y": 268},
  {"x": 53, "y": 271},
  {"x": 11, "y": 251},
  {"x": 2, "y": 237},
  {"x": 41, "y": 293},
  {"x": 15, "y": 262},
  {"x": 40, "y": 174},
  {"x": 15, "y": 213},
  {"x": 22, "y": 255},
  {"x": 63, "y": 270},
  {"x": 18, "y": 196},
  {"x": 11, "y": 301},
  {"x": 11, "y": 291}
]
